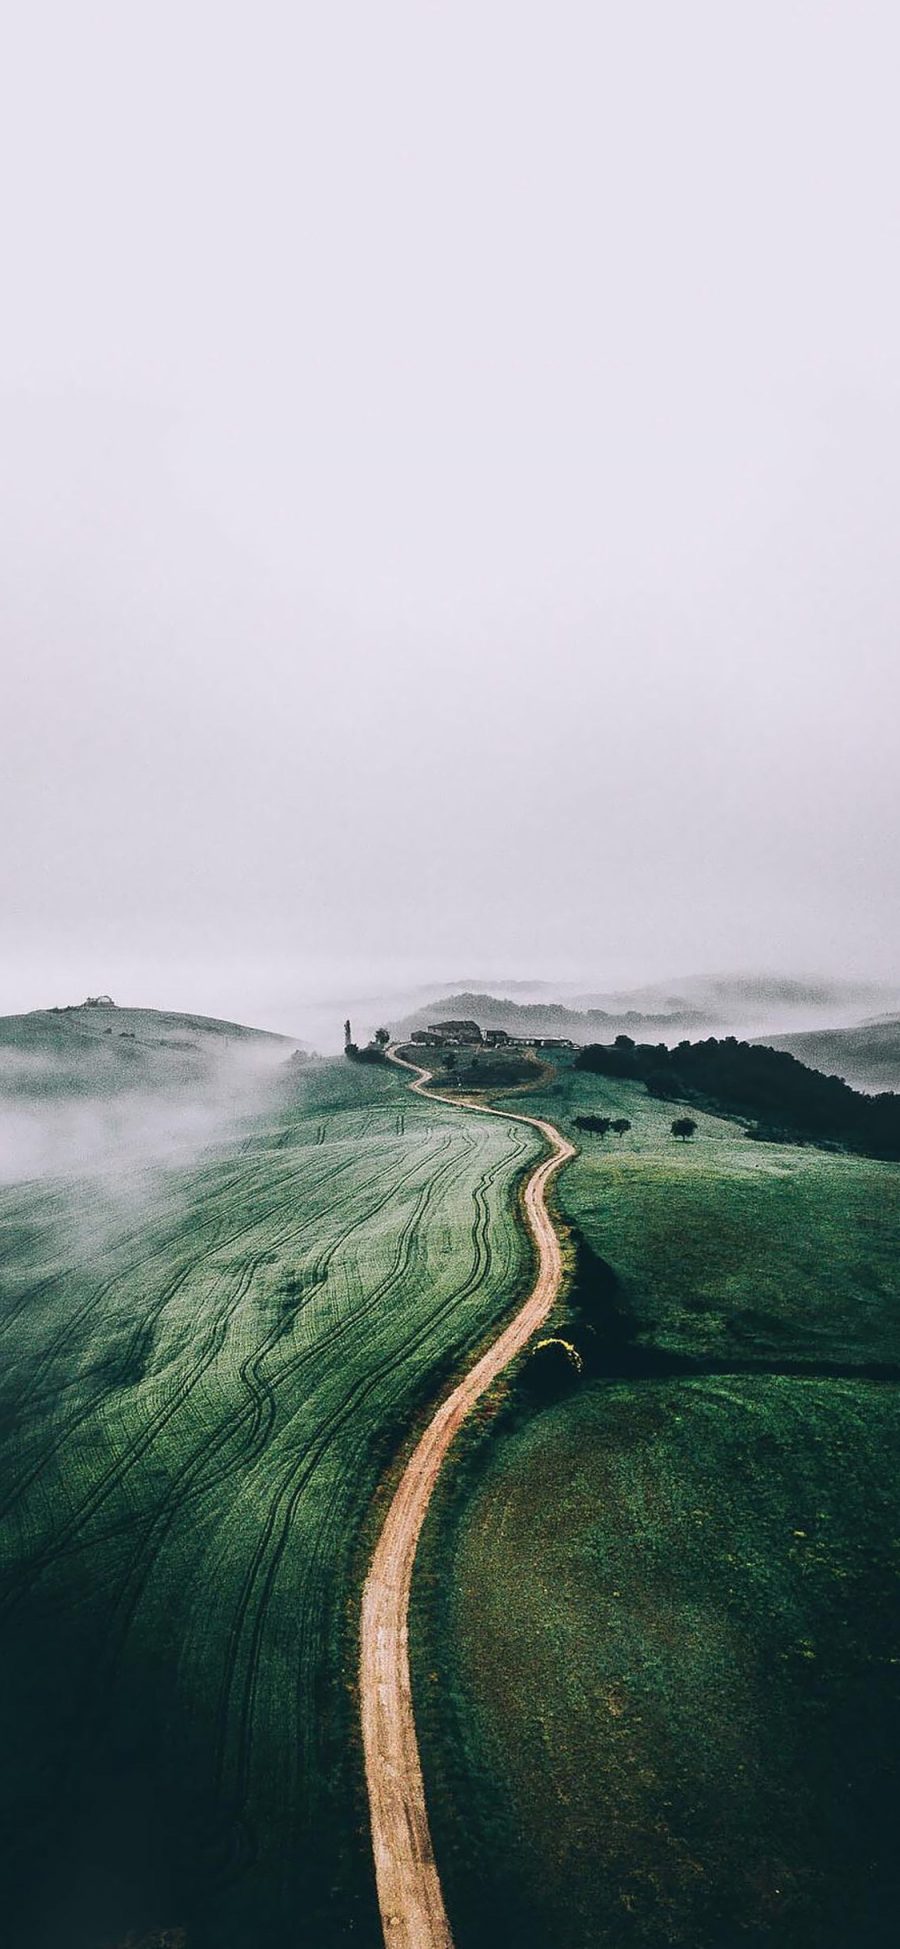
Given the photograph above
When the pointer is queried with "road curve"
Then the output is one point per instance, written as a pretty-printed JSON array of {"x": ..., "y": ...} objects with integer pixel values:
[{"x": 412, "y": 1908}]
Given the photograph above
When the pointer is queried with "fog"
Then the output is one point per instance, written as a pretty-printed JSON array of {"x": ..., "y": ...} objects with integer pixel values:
[
  {"x": 449, "y": 487},
  {"x": 58, "y": 1119},
  {"x": 124, "y": 1143}
]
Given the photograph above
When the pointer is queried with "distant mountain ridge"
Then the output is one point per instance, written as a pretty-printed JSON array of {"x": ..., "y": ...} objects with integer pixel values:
[
  {"x": 742, "y": 1000},
  {"x": 762, "y": 1007}
]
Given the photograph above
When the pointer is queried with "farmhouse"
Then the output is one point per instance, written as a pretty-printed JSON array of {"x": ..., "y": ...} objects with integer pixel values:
[
  {"x": 464, "y": 1033},
  {"x": 468, "y": 1035}
]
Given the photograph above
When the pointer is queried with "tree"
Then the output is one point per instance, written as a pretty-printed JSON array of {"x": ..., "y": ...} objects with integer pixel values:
[
  {"x": 684, "y": 1128},
  {"x": 598, "y": 1126},
  {"x": 449, "y": 1060},
  {"x": 382, "y": 1037},
  {"x": 620, "y": 1125}
]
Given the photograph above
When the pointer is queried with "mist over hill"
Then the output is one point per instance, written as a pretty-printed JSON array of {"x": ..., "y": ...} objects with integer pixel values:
[
  {"x": 744, "y": 1000},
  {"x": 665, "y": 1012},
  {"x": 866, "y": 1056},
  {"x": 95, "y": 1086},
  {"x": 547, "y": 1018},
  {"x": 96, "y": 1048}
]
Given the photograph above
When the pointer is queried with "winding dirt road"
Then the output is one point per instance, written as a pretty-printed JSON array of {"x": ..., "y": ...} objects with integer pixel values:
[{"x": 409, "y": 1890}]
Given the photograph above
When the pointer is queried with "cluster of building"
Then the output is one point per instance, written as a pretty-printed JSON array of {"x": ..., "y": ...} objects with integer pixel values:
[{"x": 468, "y": 1035}]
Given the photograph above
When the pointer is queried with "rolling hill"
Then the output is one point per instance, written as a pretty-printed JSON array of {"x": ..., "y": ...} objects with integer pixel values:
[
  {"x": 662, "y": 1012},
  {"x": 742, "y": 1000},
  {"x": 654, "y": 1643},
  {"x": 93, "y": 1050},
  {"x": 205, "y": 1373},
  {"x": 208, "y": 1370},
  {"x": 867, "y": 1056},
  {"x": 100, "y": 1088},
  {"x": 549, "y": 1018}
]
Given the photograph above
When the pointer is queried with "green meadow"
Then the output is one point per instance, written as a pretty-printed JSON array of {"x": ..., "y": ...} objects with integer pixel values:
[
  {"x": 656, "y": 1667},
  {"x": 657, "y": 1664},
  {"x": 207, "y": 1369}
]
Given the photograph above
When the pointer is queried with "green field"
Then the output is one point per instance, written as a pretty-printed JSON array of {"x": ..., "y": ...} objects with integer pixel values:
[
  {"x": 205, "y": 1373},
  {"x": 728, "y": 1247},
  {"x": 655, "y": 1658},
  {"x": 660, "y": 1691}
]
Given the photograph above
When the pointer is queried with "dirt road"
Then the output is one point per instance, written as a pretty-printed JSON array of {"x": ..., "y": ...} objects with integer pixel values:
[{"x": 409, "y": 1890}]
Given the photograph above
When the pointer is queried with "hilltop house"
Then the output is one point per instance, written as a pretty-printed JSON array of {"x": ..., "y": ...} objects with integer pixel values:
[
  {"x": 468, "y": 1035},
  {"x": 462, "y": 1033}
]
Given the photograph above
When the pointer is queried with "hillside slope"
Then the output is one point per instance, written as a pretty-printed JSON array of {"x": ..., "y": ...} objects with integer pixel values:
[
  {"x": 868, "y": 1056},
  {"x": 201, "y": 1385},
  {"x": 99, "y": 1088},
  {"x": 98, "y": 1051},
  {"x": 654, "y": 1635}
]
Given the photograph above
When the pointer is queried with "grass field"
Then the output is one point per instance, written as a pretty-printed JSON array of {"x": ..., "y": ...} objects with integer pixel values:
[
  {"x": 728, "y": 1247},
  {"x": 205, "y": 1372},
  {"x": 660, "y": 1692}
]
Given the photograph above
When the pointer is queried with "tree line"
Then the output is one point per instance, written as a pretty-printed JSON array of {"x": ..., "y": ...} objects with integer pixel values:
[
  {"x": 599, "y": 1126},
  {"x": 781, "y": 1098}
]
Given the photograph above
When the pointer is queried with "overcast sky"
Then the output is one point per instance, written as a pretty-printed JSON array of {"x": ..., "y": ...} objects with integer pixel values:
[{"x": 449, "y": 493}]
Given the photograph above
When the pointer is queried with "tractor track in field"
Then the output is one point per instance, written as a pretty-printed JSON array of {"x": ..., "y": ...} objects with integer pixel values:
[
  {"x": 239, "y": 1439},
  {"x": 14, "y": 1587},
  {"x": 410, "y": 1897},
  {"x": 137, "y": 1347},
  {"x": 279, "y": 1321},
  {"x": 250, "y": 1618},
  {"x": 238, "y": 1700}
]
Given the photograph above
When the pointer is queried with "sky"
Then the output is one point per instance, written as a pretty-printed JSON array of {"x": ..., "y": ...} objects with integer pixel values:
[{"x": 449, "y": 495}]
